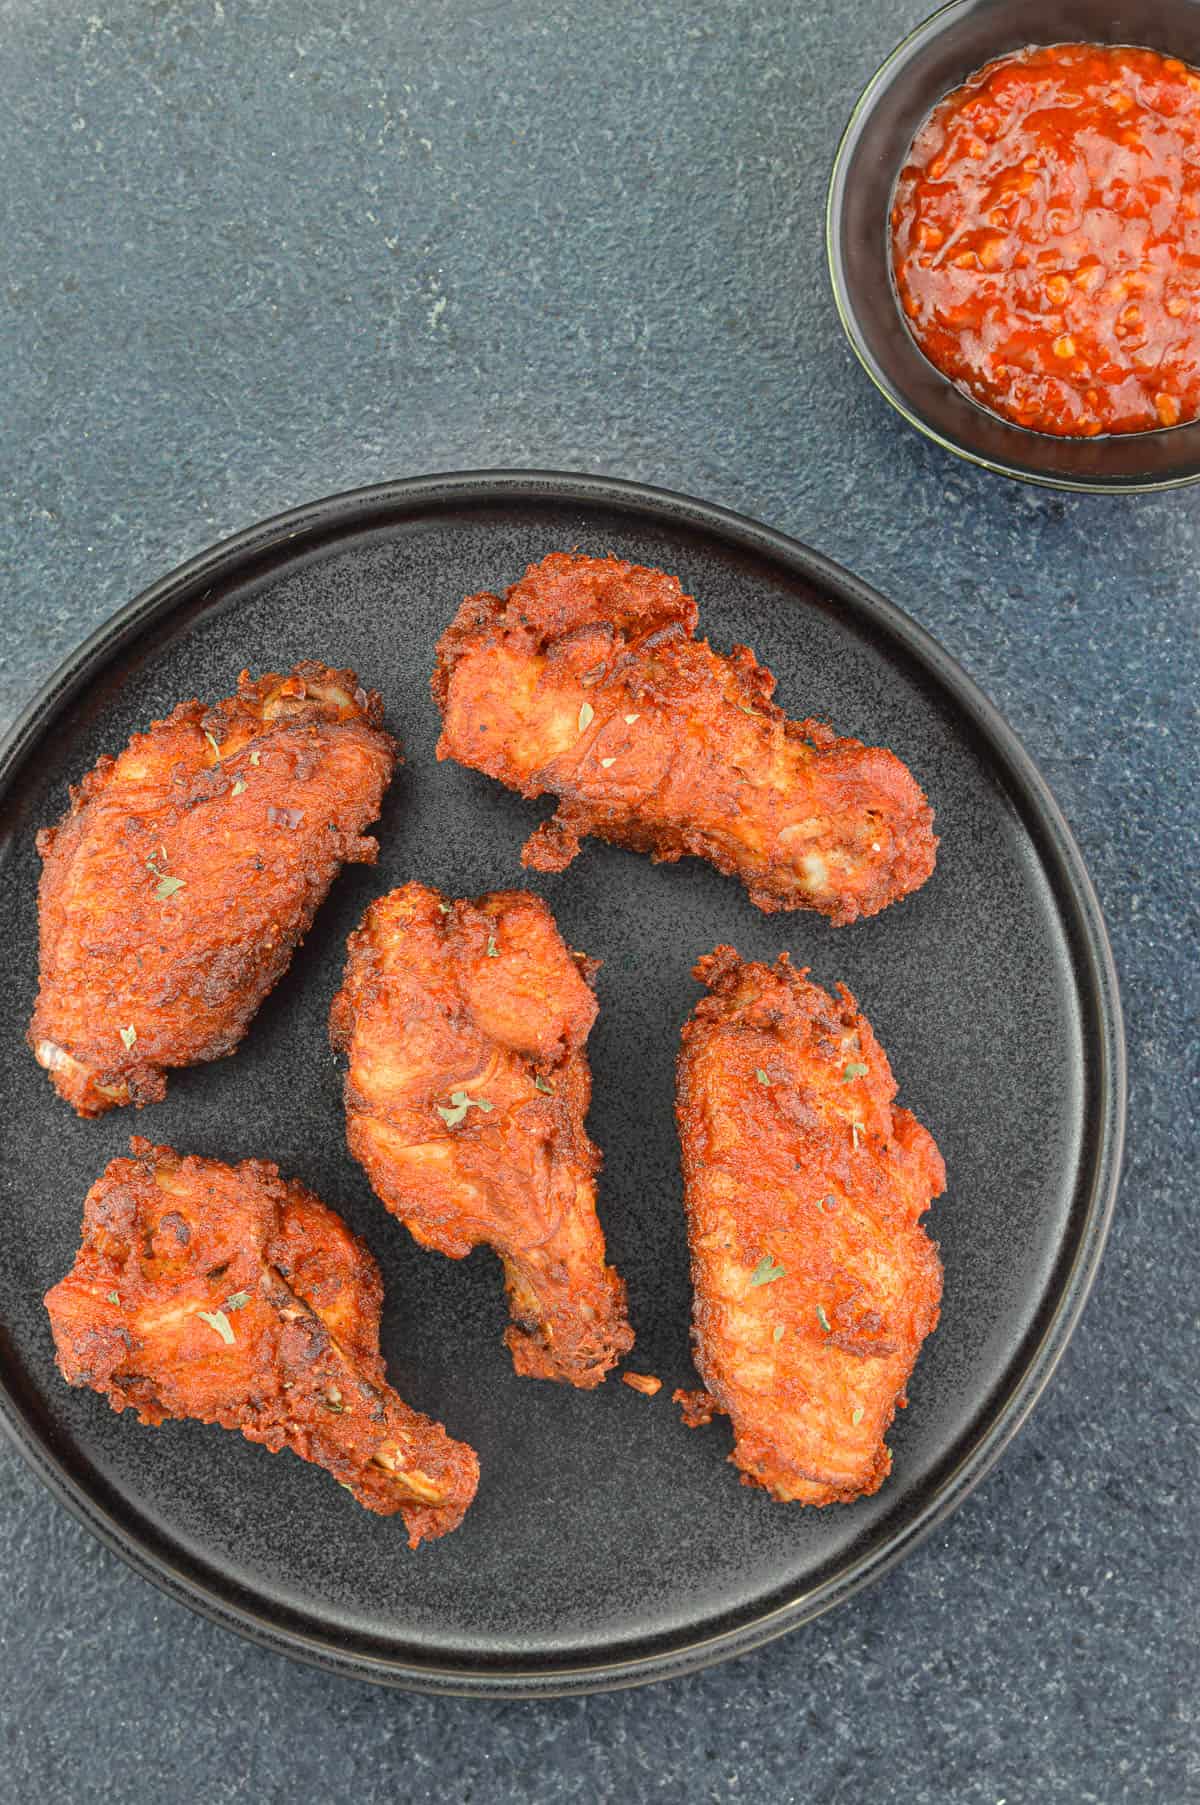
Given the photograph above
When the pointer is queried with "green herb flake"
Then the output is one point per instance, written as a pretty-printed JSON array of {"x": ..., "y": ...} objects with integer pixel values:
[
  {"x": 777, "y": 1333},
  {"x": 823, "y": 1319},
  {"x": 217, "y": 1319},
  {"x": 444, "y": 907},
  {"x": 112, "y": 1297},
  {"x": 606, "y": 762},
  {"x": 128, "y": 1036},
  {"x": 539, "y": 1084},
  {"x": 493, "y": 951},
  {"x": 333, "y": 1401},
  {"x": 454, "y": 1112},
  {"x": 239, "y": 784},
  {"x": 238, "y": 1301},
  {"x": 212, "y": 742},
  {"x": 766, "y": 1272},
  {"x": 167, "y": 886},
  {"x": 587, "y": 715},
  {"x": 828, "y": 1203},
  {"x": 254, "y": 757},
  {"x": 761, "y": 1075},
  {"x": 856, "y": 1069},
  {"x": 856, "y": 1415},
  {"x": 856, "y": 1132}
]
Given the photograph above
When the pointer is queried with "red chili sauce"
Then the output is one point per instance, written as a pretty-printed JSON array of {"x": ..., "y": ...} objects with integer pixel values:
[{"x": 1046, "y": 239}]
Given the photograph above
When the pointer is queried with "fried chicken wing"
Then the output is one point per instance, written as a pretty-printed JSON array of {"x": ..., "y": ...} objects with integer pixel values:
[
  {"x": 586, "y": 681},
  {"x": 815, "y": 1283},
  {"x": 225, "y": 1294},
  {"x": 187, "y": 871},
  {"x": 465, "y": 1025}
]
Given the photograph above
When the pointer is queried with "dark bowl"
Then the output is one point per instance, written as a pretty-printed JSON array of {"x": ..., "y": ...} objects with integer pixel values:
[{"x": 936, "y": 58}]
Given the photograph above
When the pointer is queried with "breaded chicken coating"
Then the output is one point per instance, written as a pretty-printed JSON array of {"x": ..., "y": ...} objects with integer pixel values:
[
  {"x": 226, "y": 1294},
  {"x": 465, "y": 1026},
  {"x": 814, "y": 1282},
  {"x": 187, "y": 871},
  {"x": 586, "y": 681}
]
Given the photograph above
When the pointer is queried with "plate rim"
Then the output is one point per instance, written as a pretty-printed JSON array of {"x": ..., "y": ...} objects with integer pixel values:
[{"x": 190, "y": 1579}]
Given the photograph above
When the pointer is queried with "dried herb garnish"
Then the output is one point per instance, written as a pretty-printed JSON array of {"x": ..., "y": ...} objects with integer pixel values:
[
  {"x": 212, "y": 742},
  {"x": 333, "y": 1401},
  {"x": 453, "y": 1113},
  {"x": 766, "y": 1272},
  {"x": 823, "y": 1319},
  {"x": 254, "y": 757},
  {"x": 128, "y": 1036},
  {"x": 493, "y": 951},
  {"x": 856, "y": 1069},
  {"x": 217, "y": 1319},
  {"x": 167, "y": 886},
  {"x": 238, "y": 1301},
  {"x": 856, "y": 1415},
  {"x": 761, "y": 1075},
  {"x": 587, "y": 715},
  {"x": 444, "y": 907},
  {"x": 606, "y": 762},
  {"x": 539, "y": 1084},
  {"x": 239, "y": 784},
  {"x": 856, "y": 1132},
  {"x": 631, "y": 718},
  {"x": 112, "y": 1297},
  {"x": 777, "y": 1332}
]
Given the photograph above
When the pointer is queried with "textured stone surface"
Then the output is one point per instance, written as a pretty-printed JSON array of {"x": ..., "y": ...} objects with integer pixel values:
[{"x": 254, "y": 253}]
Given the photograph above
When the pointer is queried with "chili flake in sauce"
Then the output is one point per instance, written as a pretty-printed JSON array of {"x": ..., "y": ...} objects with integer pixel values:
[{"x": 1046, "y": 239}]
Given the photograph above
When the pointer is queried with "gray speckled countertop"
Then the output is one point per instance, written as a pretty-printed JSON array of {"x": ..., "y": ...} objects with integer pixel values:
[{"x": 258, "y": 250}]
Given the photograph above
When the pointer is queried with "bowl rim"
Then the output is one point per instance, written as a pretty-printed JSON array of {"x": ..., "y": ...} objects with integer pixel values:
[{"x": 926, "y": 31}]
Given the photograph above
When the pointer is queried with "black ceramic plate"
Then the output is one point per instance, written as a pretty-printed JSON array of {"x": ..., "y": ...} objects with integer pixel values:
[{"x": 608, "y": 1544}]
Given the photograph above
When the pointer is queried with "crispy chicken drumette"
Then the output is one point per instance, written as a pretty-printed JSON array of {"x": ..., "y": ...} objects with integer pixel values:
[
  {"x": 187, "y": 870},
  {"x": 224, "y": 1293},
  {"x": 465, "y": 1025},
  {"x": 815, "y": 1283},
  {"x": 585, "y": 681}
]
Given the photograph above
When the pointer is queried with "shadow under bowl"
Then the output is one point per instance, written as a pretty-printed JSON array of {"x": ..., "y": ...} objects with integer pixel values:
[{"x": 936, "y": 58}]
